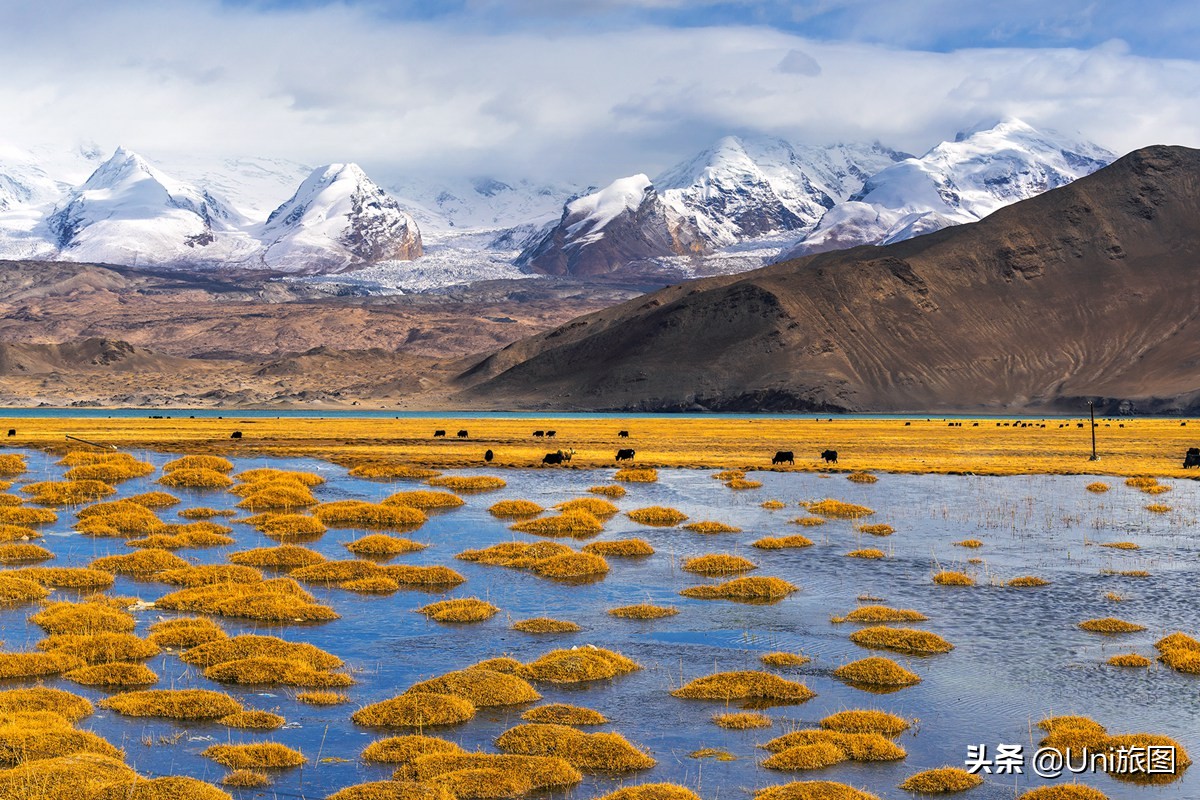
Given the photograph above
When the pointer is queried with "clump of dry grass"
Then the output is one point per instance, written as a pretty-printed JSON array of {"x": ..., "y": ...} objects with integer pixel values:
[
  {"x": 360, "y": 514},
  {"x": 122, "y": 516},
  {"x": 643, "y": 611},
  {"x": 31, "y": 737},
  {"x": 461, "y": 609},
  {"x": 624, "y": 548},
  {"x": 851, "y": 746},
  {"x": 196, "y": 478},
  {"x": 16, "y": 591},
  {"x": 746, "y": 590},
  {"x": 1025, "y": 581},
  {"x": 718, "y": 564},
  {"x": 877, "y": 613},
  {"x": 245, "y": 779},
  {"x": 99, "y": 648},
  {"x": 969, "y": 543},
  {"x": 322, "y": 698},
  {"x": 593, "y": 505},
  {"x": 783, "y": 542},
  {"x": 178, "y": 537},
  {"x": 1141, "y": 482},
  {"x": 866, "y": 721},
  {"x": 808, "y": 522},
  {"x": 1158, "y": 508},
  {"x": 1065, "y": 791},
  {"x": 545, "y": 625},
  {"x": 390, "y": 470},
  {"x": 729, "y": 475},
  {"x": 67, "y": 493},
  {"x": 204, "y": 512},
  {"x": 399, "y": 790},
  {"x": 515, "y": 509},
  {"x": 154, "y": 500},
  {"x": 1121, "y": 545},
  {"x": 272, "y": 475},
  {"x": 205, "y": 574},
  {"x": 259, "y": 755},
  {"x": 488, "y": 771},
  {"x": 867, "y": 553},
  {"x": 113, "y": 674},
  {"x": 861, "y": 477},
  {"x": 415, "y": 710},
  {"x": 741, "y": 484},
  {"x": 608, "y": 490},
  {"x": 268, "y": 671},
  {"x": 32, "y": 665},
  {"x": 901, "y": 640},
  {"x": 953, "y": 578},
  {"x": 1097, "y": 487},
  {"x": 941, "y": 780},
  {"x": 741, "y": 721},
  {"x": 403, "y": 749},
  {"x": 773, "y": 505},
  {"x": 222, "y": 650},
  {"x": 185, "y": 632},
  {"x": 563, "y": 714},
  {"x": 876, "y": 671},
  {"x": 880, "y": 529},
  {"x": 745, "y": 685},
  {"x": 468, "y": 483},
  {"x": 380, "y": 545},
  {"x": 270, "y": 495},
  {"x": 173, "y": 704},
  {"x": 1110, "y": 625},
  {"x": 593, "y": 752},
  {"x": 836, "y": 509},
  {"x": 12, "y": 465},
  {"x": 111, "y": 471},
  {"x": 66, "y": 577},
  {"x": 651, "y": 791},
  {"x": 283, "y": 527},
  {"x": 80, "y": 775},
  {"x": 70, "y": 707},
  {"x": 571, "y": 566},
  {"x": 658, "y": 516},
  {"x": 16, "y": 533},
  {"x": 803, "y": 757},
  {"x": 26, "y": 517},
  {"x": 709, "y": 526},
  {"x": 283, "y": 557},
  {"x": 83, "y": 618},
  {"x": 1128, "y": 660},
  {"x": 276, "y": 600},
  {"x": 423, "y": 500},
  {"x": 783, "y": 660},
  {"x": 518, "y": 555},
  {"x": 23, "y": 554},
  {"x": 569, "y": 523},
  {"x": 427, "y": 577},
  {"x": 636, "y": 475},
  {"x": 215, "y": 463},
  {"x": 578, "y": 665}
]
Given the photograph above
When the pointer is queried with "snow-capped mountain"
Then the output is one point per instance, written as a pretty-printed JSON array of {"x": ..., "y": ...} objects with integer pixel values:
[
  {"x": 483, "y": 203},
  {"x": 955, "y": 182},
  {"x": 338, "y": 218},
  {"x": 610, "y": 230}
]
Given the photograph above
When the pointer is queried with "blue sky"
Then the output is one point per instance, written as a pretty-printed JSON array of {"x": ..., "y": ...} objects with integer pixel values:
[{"x": 583, "y": 91}]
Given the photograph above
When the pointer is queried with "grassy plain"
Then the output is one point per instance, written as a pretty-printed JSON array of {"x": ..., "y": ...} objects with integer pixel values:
[{"x": 985, "y": 446}]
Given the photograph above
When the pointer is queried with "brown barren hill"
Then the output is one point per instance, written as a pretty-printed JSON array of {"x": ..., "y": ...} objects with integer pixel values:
[{"x": 1091, "y": 290}]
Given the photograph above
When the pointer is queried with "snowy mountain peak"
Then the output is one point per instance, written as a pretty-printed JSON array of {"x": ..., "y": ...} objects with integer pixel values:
[{"x": 590, "y": 213}]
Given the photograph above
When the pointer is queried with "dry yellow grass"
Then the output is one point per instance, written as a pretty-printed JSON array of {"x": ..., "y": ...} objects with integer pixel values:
[
  {"x": 651, "y": 791},
  {"x": 403, "y": 749},
  {"x": 942, "y": 780},
  {"x": 866, "y": 721},
  {"x": 1026, "y": 581},
  {"x": 590, "y": 752},
  {"x": 431, "y": 577},
  {"x": 782, "y": 659},
  {"x": 319, "y": 697},
  {"x": 622, "y": 548},
  {"x": 953, "y": 578},
  {"x": 541, "y": 625},
  {"x": 383, "y": 470},
  {"x": 82, "y": 618},
  {"x": 876, "y": 671},
  {"x": 729, "y": 474},
  {"x": 272, "y": 475},
  {"x": 1097, "y": 487},
  {"x": 864, "y": 747},
  {"x": 745, "y": 685},
  {"x": 483, "y": 687},
  {"x": 588, "y": 663},
  {"x": 283, "y": 557},
  {"x": 636, "y": 475},
  {"x": 178, "y": 537},
  {"x": 593, "y": 505},
  {"x": 423, "y": 499},
  {"x": 112, "y": 471},
  {"x": 643, "y": 611},
  {"x": 658, "y": 516},
  {"x": 202, "y": 575},
  {"x": 462, "y": 609},
  {"x": 1110, "y": 625},
  {"x": 26, "y": 517},
  {"x": 417, "y": 710},
  {"x": 17, "y": 533},
  {"x": 154, "y": 500},
  {"x": 272, "y": 671},
  {"x": 861, "y": 477},
  {"x": 67, "y": 493},
  {"x": 124, "y": 517},
  {"x": 836, "y": 509},
  {"x": 608, "y": 490},
  {"x": 69, "y": 706},
  {"x": 773, "y": 505},
  {"x": 1158, "y": 508},
  {"x": 17, "y": 591},
  {"x": 515, "y": 509},
  {"x": 1064, "y": 791},
  {"x": 804, "y": 757},
  {"x": 283, "y": 527},
  {"x": 215, "y": 463},
  {"x": 901, "y": 640},
  {"x": 968, "y": 543},
  {"x": 518, "y": 555},
  {"x": 205, "y": 512},
  {"x": 32, "y": 737},
  {"x": 1121, "y": 545},
  {"x": 66, "y": 577},
  {"x": 718, "y": 564},
  {"x": 99, "y": 648},
  {"x": 225, "y": 649},
  {"x": 114, "y": 674},
  {"x": 579, "y": 524},
  {"x": 23, "y": 554},
  {"x": 184, "y": 704},
  {"x": 277, "y": 495},
  {"x": 563, "y": 714},
  {"x": 536, "y": 772},
  {"x": 808, "y": 522},
  {"x": 185, "y": 632},
  {"x": 12, "y": 464},
  {"x": 783, "y": 542},
  {"x": 277, "y": 600},
  {"x": 33, "y": 665},
  {"x": 741, "y": 720},
  {"x": 877, "y": 613},
  {"x": 1128, "y": 660},
  {"x": 245, "y": 779},
  {"x": 757, "y": 589},
  {"x": 468, "y": 483},
  {"x": 571, "y": 566},
  {"x": 196, "y": 478},
  {"x": 709, "y": 526},
  {"x": 740, "y": 484},
  {"x": 869, "y": 553},
  {"x": 260, "y": 755},
  {"x": 379, "y": 545},
  {"x": 879, "y": 529}
]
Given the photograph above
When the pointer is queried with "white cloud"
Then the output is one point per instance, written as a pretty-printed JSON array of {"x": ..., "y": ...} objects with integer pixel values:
[{"x": 338, "y": 83}]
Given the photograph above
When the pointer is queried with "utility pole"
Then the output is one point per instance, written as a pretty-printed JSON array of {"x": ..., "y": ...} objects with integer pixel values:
[{"x": 1092, "y": 413}]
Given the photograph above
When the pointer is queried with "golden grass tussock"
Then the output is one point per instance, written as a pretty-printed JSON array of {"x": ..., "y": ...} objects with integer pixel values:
[
  {"x": 31, "y": 737},
  {"x": 70, "y": 706},
  {"x": 593, "y": 505},
  {"x": 866, "y": 721},
  {"x": 1177, "y": 641},
  {"x": 1064, "y": 791},
  {"x": 322, "y": 698},
  {"x": 729, "y": 475},
  {"x": 17, "y": 533},
  {"x": 259, "y": 755},
  {"x": 1129, "y": 660},
  {"x": 901, "y": 640},
  {"x": 276, "y": 600},
  {"x": 1180, "y": 652},
  {"x": 541, "y": 625},
  {"x": 836, "y": 509},
  {"x": 578, "y": 665},
  {"x": 184, "y": 632},
  {"x": 968, "y": 543},
  {"x": 110, "y": 472},
  {"x": 876, "y": 671},
  {"x": 878, "y": 613},
  {"x": 515, "y": 509},
  {"x": 570, "y": 566},
  {"x": 426, "y": 577},
  {"x": 564, "y": 714},
  {"x": 1158, "y": 508},
  {"x": 141, "y": 564},
  {"x": 245, "y": 779},
  {"x": 651, "y": 791},
  {"x": 10, "y": 499},
  {"x": 403, "y": 749},
  {"x": 569, "y": 523},
  {"x": 154, "y": 500},
  {"x": 424, "y": 499},
  {"x": 80, "y": 775},
  {"x": 100, "y": 648},
  {"x": 949, "y": 577},
  {"x": 1110, "y": 625},
  {"x": 205, "y": 512},
  {"x": 804, "y": 757},
  {"x": 861, "y": 477},
  {"x": 248, "y": 645},
  {"x": 518, "y": 555},
  {"x": 417, "y": 710},
  {"x": 83, "y": 618},
  {"x": 282, "y": 557},
  {"x": 184, "y": 536},
  {"x": 745, "y": 685},
  {"x": 169, "y": 788},
  {"x": 284, "y": 495},
  {"x": 1097, "y": 487},
  {"x": 26, "y": 517},
  {"x": 864, "y": 747},
  {"x": 869, "y": 553},
  {"x": 468, "y": 483},
  {"x": 622, "y": 548},
  {"x": 718, "y": 564},
  {"x": 643, "y": 611},
  {"x": 195, "y": 478},
  {"x": 708, "y": 526},
  {"x": 636, "y": 475},
  {"x": 782, "y": 660},
  {"x": 23, "y": 554},
  {"x": 66, "y": 577},
  {"x": 125, "y": 517},
  {"x": 34, "y": 665},
  {"x": 380, "y": 545},
  {"x": 272, "y": 475},
  {"x": 215, "y": 463},
  {"x": 741, "y": 720},
  {"x": 460, "y": 609},
  {"x": 113, "y": 674},
  {"x": 395, "y": 790},
  {"x": 12, "y": 465},
  {"x": 1027, "y": 581},
  {"x": 385, "y": 470},
  {"x": 879, "y": 529},
  {"x": 485, "y": 688},
  {"x": 808, "y": 522},
  {"x": 658, "y": 516},
  {"x": 783, "y": 542},
  {"x": 185, "y": 704},
  {"x": 505, "y": 664},
  {"x": 204, "y": 574},
  {"x": 360, "y": 514},
  {"x": 67, "y": 493},
  {"x": 266, "y": 671},
  {"x": 538, "y": 772},
  {"x": 773, "y": 505},
  {"x": 291, "y": 526},
  {"x": 608, "y": 490},
  {"x": 1121, "y": 545},
  {"x": 941, "y": 780},
  {"x": 1141, "y": 482},
  {"x": 741, "y": 484},
  {"x": 756, "y": 589},
  {"x": 590, "y": 752},
  {"x": 1140, "y": 773}
]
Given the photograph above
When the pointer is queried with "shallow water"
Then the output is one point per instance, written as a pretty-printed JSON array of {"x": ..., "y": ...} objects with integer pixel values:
[{"x": 1018, "y": 655}]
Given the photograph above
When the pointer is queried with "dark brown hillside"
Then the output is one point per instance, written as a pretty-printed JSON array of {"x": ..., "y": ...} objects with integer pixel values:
[{"x": 1092, "y": 290}]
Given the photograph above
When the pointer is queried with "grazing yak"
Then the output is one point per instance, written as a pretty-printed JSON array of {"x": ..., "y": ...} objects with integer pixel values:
[
  {"x": 1192, "y": 459},
  {"x": 463, "y": 434},
  {"x": 784, "y": 455},
  {"x": 830, "y": 456},
  {"x": 626, "y": 454},
  {"x": 437, "y": 434},
  {"x": 235, "y": 435},
  {"x": 487, "y": 456},
  {"x": 559, "y": 457},
  {"x": 550, "y": 434},
  {"x": 539, "y": 434},
  {"x": 623, "y": 434},
  {"x": 12, "y": 431}
]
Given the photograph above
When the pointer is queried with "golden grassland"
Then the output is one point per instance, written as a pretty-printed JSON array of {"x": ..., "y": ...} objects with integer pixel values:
[{"x": 1143, "y": 447}]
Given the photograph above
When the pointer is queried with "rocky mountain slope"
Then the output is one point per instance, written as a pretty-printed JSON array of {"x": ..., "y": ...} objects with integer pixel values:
[{"x": 1090, "y": 290}]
